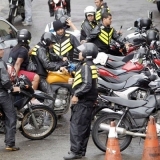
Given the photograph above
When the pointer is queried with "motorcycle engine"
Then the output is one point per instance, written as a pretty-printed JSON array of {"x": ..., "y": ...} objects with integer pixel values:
[
  {"x": 139, "y": 95},
  {"x": 61, "y": 98}
]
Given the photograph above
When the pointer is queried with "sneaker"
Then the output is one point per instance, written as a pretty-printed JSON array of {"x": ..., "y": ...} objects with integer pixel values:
[
  {"x": 12, "y": 148},
  {"x": 27, "y": 23},
  {"x": 72, "y": 155},
  {"x": 35, "y": 101}
]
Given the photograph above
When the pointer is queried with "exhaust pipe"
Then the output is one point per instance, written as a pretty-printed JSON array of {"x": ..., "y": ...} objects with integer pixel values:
[{"x": 120, "y": 130}]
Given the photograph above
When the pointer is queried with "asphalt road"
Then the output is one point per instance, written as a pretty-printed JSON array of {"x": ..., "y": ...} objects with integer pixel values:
[{"x": 124, "y": 12}]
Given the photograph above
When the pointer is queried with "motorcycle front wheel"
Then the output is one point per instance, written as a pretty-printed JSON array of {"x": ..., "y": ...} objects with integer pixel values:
[
  {"x": 100, "y": 136},
  {"x": 11, "y": 15},
  {"x": 158, "y": 5},
  {"x": 39, "y": 123}
]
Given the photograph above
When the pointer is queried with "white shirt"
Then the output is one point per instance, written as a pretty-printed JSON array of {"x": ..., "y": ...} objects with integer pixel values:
[{"x": 50, "y": 28}]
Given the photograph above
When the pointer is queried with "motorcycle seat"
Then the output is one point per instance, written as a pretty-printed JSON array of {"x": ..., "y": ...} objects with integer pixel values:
[
  {"x": 114, "y": 64},
  {"x": 118, "y": 79},
  {"x": 115, "y": 58},
  {"x": 113, "y": 71},
  {"x": 131, "y": 104},
  {"x": 112, "y": 86}
]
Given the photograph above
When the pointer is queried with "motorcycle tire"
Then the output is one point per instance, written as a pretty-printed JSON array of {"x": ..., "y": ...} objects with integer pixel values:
[
  {"x": 40, "y": 112},
  {"x": 100, "y": 142},
  {"x": 158, "y": 5},
  {"x": 11, "y": 15}
]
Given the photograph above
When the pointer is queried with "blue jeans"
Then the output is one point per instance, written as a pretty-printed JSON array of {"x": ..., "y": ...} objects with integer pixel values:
[{"x": 28, "y": 10}]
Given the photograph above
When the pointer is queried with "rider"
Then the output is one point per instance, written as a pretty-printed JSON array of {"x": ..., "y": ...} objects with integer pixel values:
[
  {"x": 88, "y": 24},
  {"x": 7, "y": 104},
  {"x": 66, "y": 43},
  {"x": 101, "y": 8},
  {"x": 42, "y": 55},
  {"x": 68, "y": 24},
  {"x": 84, "y": 95},
  {"x": 62, "y": 4},
  {"x": 102, "y": 34},
  {"x": 19, "y": 57}
]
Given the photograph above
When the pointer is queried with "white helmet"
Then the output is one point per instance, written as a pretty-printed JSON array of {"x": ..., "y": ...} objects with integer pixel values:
[{"x": 89, "y": 10}]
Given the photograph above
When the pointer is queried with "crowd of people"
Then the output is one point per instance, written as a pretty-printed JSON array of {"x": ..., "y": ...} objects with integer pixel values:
[{"x": 56, "y": 47}]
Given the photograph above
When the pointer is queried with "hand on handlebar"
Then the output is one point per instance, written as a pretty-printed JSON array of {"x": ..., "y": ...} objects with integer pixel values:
[
  {"x": 16, "y": 89},
  {"x": 63, "y": 70},
  {"x": 65, "y": 59}
]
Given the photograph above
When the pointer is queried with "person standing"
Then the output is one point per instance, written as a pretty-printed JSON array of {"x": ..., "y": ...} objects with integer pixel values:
[
  {"x": 84, "y": 95},
  {"x": 28, "y": 13},
  {"x": 68, "y": 7},
  {"x": 61, "y": 3},
  {"x": 7, "y": 104}
]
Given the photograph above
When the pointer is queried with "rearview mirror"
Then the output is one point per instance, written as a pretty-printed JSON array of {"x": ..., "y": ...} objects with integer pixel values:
[
  {"x": 135, "y": 23},
  {"x": 150, "y": 15}
]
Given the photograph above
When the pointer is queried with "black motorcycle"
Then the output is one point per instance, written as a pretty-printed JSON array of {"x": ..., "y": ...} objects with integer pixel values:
[
  {"x": 34, "y": 122},
  {"x": 16, "y": 9},
  {"x": 131, "y": 117}
]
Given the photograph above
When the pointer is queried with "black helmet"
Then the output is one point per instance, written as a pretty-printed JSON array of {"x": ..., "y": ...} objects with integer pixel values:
[
  {"x": 145, "y": 23},
  {"x": 48, "y": 38},
  {"x": 24, "y": 36},
  {"x": 63, "y": 21},
  {"x": 89, "y": 50},
  {"x": 152, "y": 35}
]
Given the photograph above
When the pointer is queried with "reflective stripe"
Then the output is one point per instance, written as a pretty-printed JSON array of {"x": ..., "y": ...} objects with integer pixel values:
[
  {"x": 77, "y": 72},
  {"x": 98, "y": 15},
  {"x": 66, "y": 51},
  {"x": 64, "y": 47},
  {"x": 34, "y": 50},
  {"x": 94, "y": 76},
  {"x": 106, "y": 37},
  {"x": 78, "y": 76},
  {"x": 77, "y": 82},
  {"x": 68, "y": 40}
]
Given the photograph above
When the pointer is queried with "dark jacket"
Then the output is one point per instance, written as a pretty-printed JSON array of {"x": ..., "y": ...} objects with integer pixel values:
[
  {"x": 5, "y": 83},
  {"x": 43, "y": 61},
  {"x": 97, "y": 40},
  {"x": 100, "y": 10},
  {"x": 86, "y": 28},
  {"x": 85, "y": 82},
  {"x": 66, "y": 46}
]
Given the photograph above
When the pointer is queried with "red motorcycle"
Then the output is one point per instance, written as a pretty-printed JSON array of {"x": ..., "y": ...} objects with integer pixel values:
[
  {"x": 143, "y": 61},
  {"x": 59, "y": 8}
]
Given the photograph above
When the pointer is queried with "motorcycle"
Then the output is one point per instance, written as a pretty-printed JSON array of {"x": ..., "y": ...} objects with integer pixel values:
[
  {"x": 16, "y": 9},
  {"x": 135, "y": 88},
  {"x": 145, "y": 58},
  {"x": 59, "y": 84},
  {"x": 130, "y": 116},
  {"x": 59, "y": 7},
  {"x": 34, "y": 122}
]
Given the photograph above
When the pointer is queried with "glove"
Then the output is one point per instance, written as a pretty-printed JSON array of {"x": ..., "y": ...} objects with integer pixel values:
[{"x": 71, "y": 67}]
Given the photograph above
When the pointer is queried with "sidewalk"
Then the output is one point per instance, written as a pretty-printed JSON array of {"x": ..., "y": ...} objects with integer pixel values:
[{"x": 4, "y": 8}]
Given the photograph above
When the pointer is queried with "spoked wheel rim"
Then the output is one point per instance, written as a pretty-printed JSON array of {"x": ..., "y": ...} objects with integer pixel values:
[
  {"x": 100, "y": 137},
  {"x": 44, "y": 121}
]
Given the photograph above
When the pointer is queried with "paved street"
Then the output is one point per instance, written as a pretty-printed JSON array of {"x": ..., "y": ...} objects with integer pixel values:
[{"x": 124, "y": 12}]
